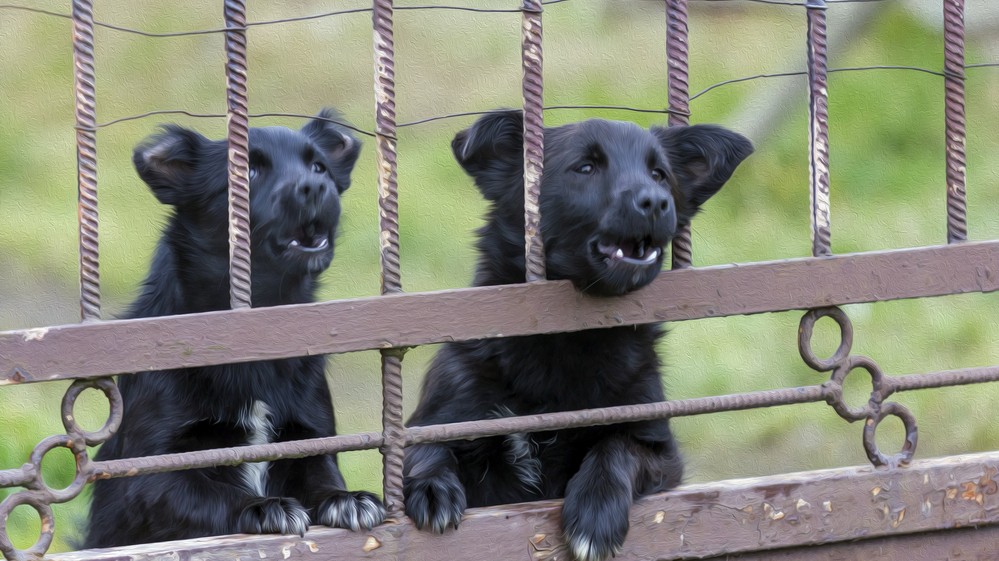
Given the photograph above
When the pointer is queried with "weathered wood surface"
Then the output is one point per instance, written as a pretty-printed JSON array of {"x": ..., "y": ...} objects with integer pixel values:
[
  {"x": 832, "y": 508},
  {"x": 123, "y": 346}
]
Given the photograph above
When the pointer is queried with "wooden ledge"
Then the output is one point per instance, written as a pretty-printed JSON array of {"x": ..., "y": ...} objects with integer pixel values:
[{"x": 894, "y": 509}]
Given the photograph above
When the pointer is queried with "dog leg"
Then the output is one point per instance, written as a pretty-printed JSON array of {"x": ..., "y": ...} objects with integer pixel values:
[
  {"x": 597, "y": 501},
  {"x": 435, "y": 497}
]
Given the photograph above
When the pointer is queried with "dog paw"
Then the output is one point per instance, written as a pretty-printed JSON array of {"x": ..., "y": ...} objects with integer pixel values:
[
  {"x": 358, "y": 510},
  {"x": 273, "y": 515},
  {"x": 594, "y": 528},
  {"x": 435, "y": 503}
]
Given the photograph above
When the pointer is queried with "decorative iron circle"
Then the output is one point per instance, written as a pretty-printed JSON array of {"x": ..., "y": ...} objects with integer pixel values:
[
  {"x": 32, "y": 499},
  {"x": 110, "y": 389},
  {"x": 877, "y": 383},
  {"x": 807, "y": 326},
  {"x": 80, "y": 459},
  {"x": 874, "y": 454}
]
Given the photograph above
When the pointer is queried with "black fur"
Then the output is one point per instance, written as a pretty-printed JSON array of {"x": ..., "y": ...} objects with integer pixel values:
[
  {"x": 607, "y": 186},
  {"x": 296, "y": 181}
]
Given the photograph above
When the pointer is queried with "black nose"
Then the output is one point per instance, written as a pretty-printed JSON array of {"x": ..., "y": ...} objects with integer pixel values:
[
  {"x": 653, "y": 202},
  {"x": 311, "y": 193}
]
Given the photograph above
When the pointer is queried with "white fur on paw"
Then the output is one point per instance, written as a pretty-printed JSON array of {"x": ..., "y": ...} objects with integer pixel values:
[
  {"x": 583, "y": 549},
  {"x": 356, "y": 511}
]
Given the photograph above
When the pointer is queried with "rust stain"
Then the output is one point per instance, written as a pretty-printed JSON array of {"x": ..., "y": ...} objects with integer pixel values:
[
  {"x": 987, "y": 484},
  {"x": 876, "y": 491},
  {"x": 371, "y": 544},
  {"x": 970, "y": 490},
  {"x": 659, "y": 517},
  {"x": 286, "y": 551},
  {"x": 951, "y": 492},
  {"x": 538, "y": 538},
  {"x": 313, "y": 546},
  {"x": 896, "y": 520},
  {"x": 771, "y": 512},
  {"x": 802, "y": 504},
  {"x": 827, "y": 506}
]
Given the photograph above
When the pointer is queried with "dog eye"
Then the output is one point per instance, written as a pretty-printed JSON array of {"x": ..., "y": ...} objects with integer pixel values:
[
  {"x": 253, "y": 171},
  {"x": 585, "y": 169},
  {"x": 318, "y": 167},
  {"x": 658, "y": 174}
]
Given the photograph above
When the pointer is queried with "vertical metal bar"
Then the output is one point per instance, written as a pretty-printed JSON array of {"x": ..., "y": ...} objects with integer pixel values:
[
  {"x": 534, "y": 141},
  {"x": 239, "y": 163},
  {"x": 818, "y": 127},
  {"x": 679, "y": 103},
  {"x": 388, "y": 207},
  {"x": 86, "y": 158},
  {"x": 957, "y": 205}
]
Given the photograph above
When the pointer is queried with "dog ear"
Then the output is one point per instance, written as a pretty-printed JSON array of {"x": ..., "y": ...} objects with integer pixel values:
[
  {"x": 703, "y": 158},
  {"x": 491, "y": 151},
  {"x": 168, "y": 162},
  {"x": 337, "y": 142}
]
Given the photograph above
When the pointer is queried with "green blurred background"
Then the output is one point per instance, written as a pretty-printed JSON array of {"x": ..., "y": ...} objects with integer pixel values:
[{"x": 887, "y": 174}]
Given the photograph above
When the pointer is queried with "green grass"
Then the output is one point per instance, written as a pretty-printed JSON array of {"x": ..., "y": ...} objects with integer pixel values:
[{"x": 887, "y": 174}]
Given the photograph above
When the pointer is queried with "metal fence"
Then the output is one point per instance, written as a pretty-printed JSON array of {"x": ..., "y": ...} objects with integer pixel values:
[{"x": 92, "y": 351}]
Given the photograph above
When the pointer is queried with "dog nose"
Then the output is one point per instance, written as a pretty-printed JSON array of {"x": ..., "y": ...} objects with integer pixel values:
[
  {"x": 311, "y": 194},
  {"x": 652, "y": 202}
]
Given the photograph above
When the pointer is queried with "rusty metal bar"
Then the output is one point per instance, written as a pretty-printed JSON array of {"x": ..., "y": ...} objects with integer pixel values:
[
  {"x": 679, "y": 104},
  {"x": 957, "y": 205},
  {"x": 844, "y": 509},
  {"x": 237, "y": 126},
  {"x": 74, "y": 351},
  {"x": 231, "y": 456},
  {"x": 86, "y": 158},
  {"x": 534, "y": 137},
  {"x": 818, "y": 128},
  {"x": 388, "y": 205}
]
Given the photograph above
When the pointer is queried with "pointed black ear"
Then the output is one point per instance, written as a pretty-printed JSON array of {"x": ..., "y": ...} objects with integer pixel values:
[
  {"x": 491, "y": 151},
  {"x": 168, "y": 162},
  {"x": 703, "y": 158},
  {"x": 336, "y": 142}
]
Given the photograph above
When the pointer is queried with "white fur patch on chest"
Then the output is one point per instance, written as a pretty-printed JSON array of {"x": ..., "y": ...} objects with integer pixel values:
[
  {"x": 521, "y": 453},
  {"x": 257, "y": 422}
]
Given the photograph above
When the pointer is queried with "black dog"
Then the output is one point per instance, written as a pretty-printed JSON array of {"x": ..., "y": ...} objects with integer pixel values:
[
  {"x": 296, "y": 180},
  {"x": 612, "y": 197}
]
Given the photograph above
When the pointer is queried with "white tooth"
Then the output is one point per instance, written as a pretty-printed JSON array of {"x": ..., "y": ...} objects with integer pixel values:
[
  {"x": 294, "y": 243},
  {"x": 619, "y": 254},
  {"x": 323, "y": 243},
  {"x": 653, "y": 255}
]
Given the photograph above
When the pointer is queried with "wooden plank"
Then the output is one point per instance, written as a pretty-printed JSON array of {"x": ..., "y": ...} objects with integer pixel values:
[
  {"x": 693, "y": 522},
  {"x": 124, "y": 346},
  {"x": 966, "y": 544}
]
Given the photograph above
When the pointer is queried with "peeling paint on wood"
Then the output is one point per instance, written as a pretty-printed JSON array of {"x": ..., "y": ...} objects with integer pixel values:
[{"x": 745, "y": 516}]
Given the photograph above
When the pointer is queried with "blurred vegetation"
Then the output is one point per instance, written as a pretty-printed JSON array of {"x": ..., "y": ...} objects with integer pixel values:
[{"x": 887, "y": 157}]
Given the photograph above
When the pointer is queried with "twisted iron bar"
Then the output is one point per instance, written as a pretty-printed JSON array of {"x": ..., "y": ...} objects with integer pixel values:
[
  {"x": 679, "y": 101},
  {"x": 957, "y": 205},
  {"x": 818, "y": 129},
  {"x": 532, "y": 58},
  {"x": 239, "y": 162},
  {"x": 388, "y": 208},
  {"x": 86, "y": 158}
]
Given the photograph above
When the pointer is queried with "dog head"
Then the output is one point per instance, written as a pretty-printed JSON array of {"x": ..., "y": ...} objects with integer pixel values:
[
  {"x": 296, "y": 179},
  {"x": 613, "y": 195}
]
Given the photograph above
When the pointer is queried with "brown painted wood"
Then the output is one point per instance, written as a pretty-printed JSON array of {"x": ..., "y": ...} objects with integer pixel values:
[
  {"x": 829, "y": 507},
  {"x": 123, "y": 346},
  {"x": 967, "y": 544}
]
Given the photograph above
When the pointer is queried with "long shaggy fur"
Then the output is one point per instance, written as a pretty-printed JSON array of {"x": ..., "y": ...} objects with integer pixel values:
[
  {"x": 612, "y": 197},
  {"x": 296, "y": 180}
]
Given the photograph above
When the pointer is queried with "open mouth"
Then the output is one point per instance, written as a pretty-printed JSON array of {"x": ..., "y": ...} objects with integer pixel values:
[
  {"x": 639, "y": 252},
  {"x": 310, "y": 239}
]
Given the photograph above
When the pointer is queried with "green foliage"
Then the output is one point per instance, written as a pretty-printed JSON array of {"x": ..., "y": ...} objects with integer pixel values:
[{"x": 887, "y": 173}]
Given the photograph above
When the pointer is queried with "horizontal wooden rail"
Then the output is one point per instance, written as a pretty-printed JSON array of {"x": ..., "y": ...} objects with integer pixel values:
[
  {"x": 122, "y": 346},
  {"x": 830, "y": 508}
]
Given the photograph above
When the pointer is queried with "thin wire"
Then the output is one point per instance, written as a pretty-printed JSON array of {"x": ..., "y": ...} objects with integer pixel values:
[
  {"x": 831, "y": 70},
  {"x": 266, "y": 22}
]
